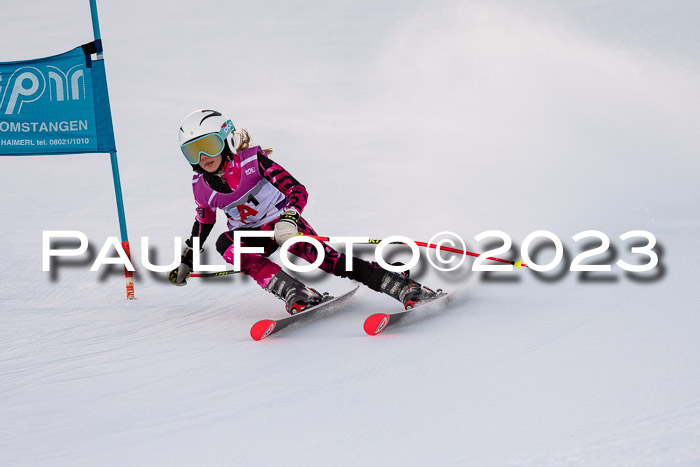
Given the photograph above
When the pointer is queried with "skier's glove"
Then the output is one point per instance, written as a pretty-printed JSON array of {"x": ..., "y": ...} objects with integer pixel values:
[
  {"x": 286, "y": 226},
  {"x": 179, "y": 275}
]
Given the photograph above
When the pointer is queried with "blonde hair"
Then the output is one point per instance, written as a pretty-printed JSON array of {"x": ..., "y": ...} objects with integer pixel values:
[{"x": 243, "y": 141}]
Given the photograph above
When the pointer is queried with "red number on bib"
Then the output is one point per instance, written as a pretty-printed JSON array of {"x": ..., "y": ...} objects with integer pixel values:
[{"x": 246, "y": 211}]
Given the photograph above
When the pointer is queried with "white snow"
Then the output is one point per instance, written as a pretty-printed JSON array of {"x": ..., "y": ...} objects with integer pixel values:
[{"x": 401, "y": 118}]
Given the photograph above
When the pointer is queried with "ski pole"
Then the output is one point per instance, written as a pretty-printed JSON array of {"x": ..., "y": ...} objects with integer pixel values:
[
  {"x": 517, "y": 264},
  {"x": 213, "y": 274}
]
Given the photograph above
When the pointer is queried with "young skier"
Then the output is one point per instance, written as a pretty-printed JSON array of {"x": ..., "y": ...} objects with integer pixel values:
[{"x": 258, "y": 194}]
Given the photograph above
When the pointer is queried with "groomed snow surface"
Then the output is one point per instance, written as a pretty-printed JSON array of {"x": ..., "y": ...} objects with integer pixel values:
[{"x": 401, "y": 118}]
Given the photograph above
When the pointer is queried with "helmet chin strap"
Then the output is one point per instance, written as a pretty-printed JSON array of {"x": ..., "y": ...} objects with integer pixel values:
[
  {"x": 220, "y": 169},
  {"x": 226, "y": 155}
]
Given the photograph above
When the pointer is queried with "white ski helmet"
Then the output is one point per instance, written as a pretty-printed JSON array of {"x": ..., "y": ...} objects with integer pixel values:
[{"x": 205, "y": 132}]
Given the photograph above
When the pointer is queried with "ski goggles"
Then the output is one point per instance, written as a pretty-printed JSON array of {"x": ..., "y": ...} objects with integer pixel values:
[{"x": 210, "y": 145}]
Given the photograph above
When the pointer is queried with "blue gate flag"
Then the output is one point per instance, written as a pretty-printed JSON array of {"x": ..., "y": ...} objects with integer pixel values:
[{"x": 56, "y": 105}]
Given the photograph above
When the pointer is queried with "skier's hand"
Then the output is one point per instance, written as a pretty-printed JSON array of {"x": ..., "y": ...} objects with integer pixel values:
[
  {"x": 286, "y": 226},
  {"x": 179, "y": 275}
]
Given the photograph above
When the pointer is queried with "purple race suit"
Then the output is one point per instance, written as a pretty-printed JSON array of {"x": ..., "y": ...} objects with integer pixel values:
[{"x": 253, "y": 191}]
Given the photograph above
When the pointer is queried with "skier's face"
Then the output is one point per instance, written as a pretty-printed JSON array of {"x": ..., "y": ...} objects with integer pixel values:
[{"x": 210, "y": 164}]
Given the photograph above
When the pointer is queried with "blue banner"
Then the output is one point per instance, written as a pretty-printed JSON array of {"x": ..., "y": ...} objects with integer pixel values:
[{"x": 56, "y": 105}]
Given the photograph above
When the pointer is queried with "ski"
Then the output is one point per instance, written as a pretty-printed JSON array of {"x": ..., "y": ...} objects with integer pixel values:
[
  {"x": 266, "y": 327},
  {"x": 378, "y": 322}
]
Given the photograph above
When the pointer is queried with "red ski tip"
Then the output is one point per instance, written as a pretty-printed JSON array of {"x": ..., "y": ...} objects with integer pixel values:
[
  {"x": 262, "y": 329},
  {"x": 376, "y": 323}
]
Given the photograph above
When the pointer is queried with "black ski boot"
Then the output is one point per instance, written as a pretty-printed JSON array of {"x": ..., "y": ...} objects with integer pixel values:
[
  {"x": 405, "y": 290},
  {"x": 394, "y": 284},
  {"x": 296, "y": 295}
]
